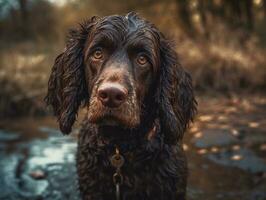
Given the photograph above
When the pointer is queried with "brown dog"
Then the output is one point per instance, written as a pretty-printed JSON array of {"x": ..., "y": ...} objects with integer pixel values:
[{"x": 140, "y": 102}]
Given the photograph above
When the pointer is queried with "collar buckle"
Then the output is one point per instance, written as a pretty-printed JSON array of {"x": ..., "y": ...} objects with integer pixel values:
[{"x": 117, "y": 161}]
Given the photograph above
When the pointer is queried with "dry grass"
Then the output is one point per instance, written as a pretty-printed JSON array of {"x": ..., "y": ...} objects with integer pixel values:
[
  {"x": 24, "y": 74},
  {"x": 225, "y": 63}
]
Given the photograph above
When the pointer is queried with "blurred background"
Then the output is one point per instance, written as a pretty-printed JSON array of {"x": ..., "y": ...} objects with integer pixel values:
[{"x": 222, "y": 43}]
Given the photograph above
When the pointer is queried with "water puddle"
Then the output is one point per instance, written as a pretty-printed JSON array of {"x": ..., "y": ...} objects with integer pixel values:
[
  {"x": 38, "y": 162},
  {"x": 39, "y": 168}
]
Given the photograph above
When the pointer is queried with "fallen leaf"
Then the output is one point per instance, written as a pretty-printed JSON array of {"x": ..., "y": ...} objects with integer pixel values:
[
  {"x": 222, "y": 118},
  {"x": 253, "y": 124},
  {"x": 231, "y": 110},
  {"x": 236, "y": 157},
  {"x": 198, "y": 135},
  {"x": 205, "y": 118},
  {"x": 194, "y": 129},
  {"x": 185, "y": 147},
  {"x": 235, "y": 147},
  {"x": 202, "y": 151},
  {"x": 214, "y": 149}
]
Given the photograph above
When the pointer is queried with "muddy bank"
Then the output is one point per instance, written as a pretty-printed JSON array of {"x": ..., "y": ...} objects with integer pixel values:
[{"x": 226, "y": 149}]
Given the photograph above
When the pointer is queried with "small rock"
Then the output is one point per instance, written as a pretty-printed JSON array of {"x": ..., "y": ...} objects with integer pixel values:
[{"x": 37, "y": 174}]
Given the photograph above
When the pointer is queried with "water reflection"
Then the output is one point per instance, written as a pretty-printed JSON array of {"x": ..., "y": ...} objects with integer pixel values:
[
  {"x": 38, "y": 162},
  {"x": 41, "y": 168},
  {"x": 57, "y": 150}
]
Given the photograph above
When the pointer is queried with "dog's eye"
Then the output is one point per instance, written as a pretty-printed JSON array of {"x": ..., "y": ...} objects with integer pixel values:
[
  {"x": 142, "y": 59},
  {"x": 98, "y": 54}
]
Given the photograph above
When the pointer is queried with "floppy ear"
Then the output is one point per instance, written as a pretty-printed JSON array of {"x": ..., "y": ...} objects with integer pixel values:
[
  {"x": 67, "y": 86},
  {"x": 177, "y": 105}
]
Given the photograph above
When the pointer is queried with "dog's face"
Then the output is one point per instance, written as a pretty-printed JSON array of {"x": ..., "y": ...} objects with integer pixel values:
[
  {"x": 121, "y": 62},
  {"x": 126, "y": 72}
]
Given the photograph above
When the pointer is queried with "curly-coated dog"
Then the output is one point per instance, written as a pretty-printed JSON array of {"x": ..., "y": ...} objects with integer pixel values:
[{"x": 139, "y": 101}]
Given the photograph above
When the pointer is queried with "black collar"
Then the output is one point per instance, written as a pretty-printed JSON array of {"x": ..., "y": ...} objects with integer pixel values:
[{"x": 128, "y": 141}]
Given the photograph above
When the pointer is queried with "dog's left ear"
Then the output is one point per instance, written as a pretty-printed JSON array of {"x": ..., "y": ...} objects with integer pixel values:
[
  {"x": 67, "y": 86},
  {"x": 177, "y": 104}
]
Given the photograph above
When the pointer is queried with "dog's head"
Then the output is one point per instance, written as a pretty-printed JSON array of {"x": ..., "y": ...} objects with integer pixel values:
[{"x": 126, "y": 72}]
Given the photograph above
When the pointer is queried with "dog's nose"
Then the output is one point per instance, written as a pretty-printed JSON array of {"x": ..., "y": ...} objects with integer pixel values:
[{"x": 112, "y": 95}]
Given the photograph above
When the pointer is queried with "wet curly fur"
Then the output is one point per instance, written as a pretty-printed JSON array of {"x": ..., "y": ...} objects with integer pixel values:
[{"x": 155, "y": 165}]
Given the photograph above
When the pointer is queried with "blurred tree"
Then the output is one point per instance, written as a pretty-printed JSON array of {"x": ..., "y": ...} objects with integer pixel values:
[
  {"x": 28, "y": 20},
  {"x": 184, "y": 16},
  {"x": 24, "y": 24},
  {"x": 234, "y": 13},
  {"x": 264, "y": 8},
  {"x": 44, "y": 19}
]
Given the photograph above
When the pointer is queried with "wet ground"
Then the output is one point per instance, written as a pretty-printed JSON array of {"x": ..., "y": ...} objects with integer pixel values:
[{"x": 226, "y": 150}]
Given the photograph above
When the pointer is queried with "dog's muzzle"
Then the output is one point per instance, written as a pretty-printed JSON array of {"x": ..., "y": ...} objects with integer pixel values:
[{"x": 112, "y": 95}]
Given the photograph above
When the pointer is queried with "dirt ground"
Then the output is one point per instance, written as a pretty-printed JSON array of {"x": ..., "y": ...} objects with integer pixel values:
[{"x": 226, "y": 150}]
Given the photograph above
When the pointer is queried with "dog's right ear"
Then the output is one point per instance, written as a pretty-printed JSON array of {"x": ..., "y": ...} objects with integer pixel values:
[
  {"x": 176, "y": 100},
  {"x": 67, "y": 86}
]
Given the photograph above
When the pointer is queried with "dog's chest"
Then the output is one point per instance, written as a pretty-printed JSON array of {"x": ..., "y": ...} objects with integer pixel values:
[
  {"x": 150, "y": 172},
  {"x": 141, "y": 171}
]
